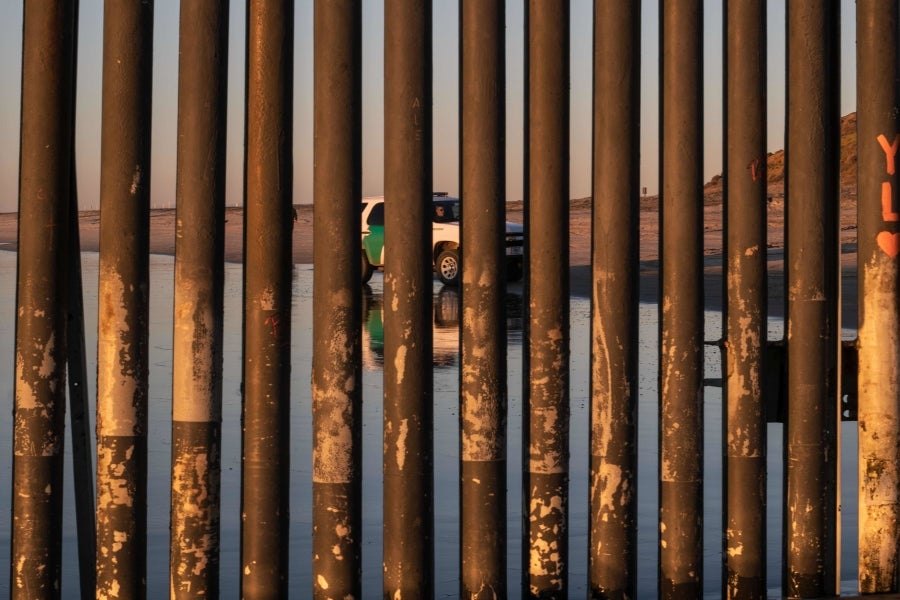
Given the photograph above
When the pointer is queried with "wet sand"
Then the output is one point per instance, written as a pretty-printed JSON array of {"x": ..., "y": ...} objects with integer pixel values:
[{"x": 162, "y": 241}]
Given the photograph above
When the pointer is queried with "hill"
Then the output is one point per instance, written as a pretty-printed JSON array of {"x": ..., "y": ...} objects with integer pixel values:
[{"x": 775, "y": 164}]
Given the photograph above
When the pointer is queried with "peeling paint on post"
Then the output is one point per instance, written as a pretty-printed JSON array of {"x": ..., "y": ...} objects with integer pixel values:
[
  {"x": 813, "y": 288},
  {"x": 199, "y": 284},
  {"x": 545, "y": 432},
  {"x": 681, "y": 296},
  {"x": 483, "y": 397},
  {"x": 123, "y": 302},
  {"x": 744, "y": 482},
  {"x": 268, "y": 223},
  {"x": 39, "y": 410},
  {"x": 408, "y": 377},
  {"x": 337, "y": 302},
  {"x": 612, "y": 542},
  {"x": 878, "y": 98}
]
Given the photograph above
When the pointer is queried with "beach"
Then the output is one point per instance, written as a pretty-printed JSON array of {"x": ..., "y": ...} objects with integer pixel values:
[{"x": 162, "y": 241}]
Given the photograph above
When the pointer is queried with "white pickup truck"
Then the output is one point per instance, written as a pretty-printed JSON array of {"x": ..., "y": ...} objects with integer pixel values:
[{"x": 444, "y": 240}]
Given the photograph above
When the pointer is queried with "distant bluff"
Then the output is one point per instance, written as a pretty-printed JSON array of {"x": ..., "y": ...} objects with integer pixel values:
[{"x": 775, "y": 163}]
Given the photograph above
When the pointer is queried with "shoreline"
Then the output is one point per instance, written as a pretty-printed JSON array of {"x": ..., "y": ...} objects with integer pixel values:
[{"x": 162, "y": 241}]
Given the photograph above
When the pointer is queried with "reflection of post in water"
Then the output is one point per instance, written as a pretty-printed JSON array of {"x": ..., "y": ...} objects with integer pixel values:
[
  {"x": 482, "y": 394},
  {"x": 337, "y": 368}
]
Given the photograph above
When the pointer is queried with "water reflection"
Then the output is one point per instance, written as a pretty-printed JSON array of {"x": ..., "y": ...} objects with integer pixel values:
[
  {"x": 446, "y": 441},
  {"x": 445, "y": 325}
]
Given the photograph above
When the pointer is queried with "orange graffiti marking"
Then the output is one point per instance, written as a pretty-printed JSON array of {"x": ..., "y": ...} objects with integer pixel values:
[
  {"x": 756, "y": 168},
  {"x": 273, "y": 323},
  {"x": 889, "y": 243},
  {"x": 887, "y": 203},
  {"x": 890, "y": 151}
]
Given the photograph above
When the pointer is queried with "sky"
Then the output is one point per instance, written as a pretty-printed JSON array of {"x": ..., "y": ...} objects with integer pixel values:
[{"x": 446, "y": 92}]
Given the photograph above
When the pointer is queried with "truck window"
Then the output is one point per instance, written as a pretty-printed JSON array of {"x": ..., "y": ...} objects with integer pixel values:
[{"x": 376, "y": 217}]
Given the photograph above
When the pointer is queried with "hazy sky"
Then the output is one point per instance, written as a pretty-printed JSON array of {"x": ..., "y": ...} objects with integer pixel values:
[{"x": 446, "y": 53}]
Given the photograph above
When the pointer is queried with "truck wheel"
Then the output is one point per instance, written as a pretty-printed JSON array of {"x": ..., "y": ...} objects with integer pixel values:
[
  {"x": 367, "y": 269},
  {"x": 447, "y": 266}
]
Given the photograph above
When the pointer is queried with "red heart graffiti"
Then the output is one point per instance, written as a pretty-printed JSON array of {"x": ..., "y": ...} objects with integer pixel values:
[{"x": 889, "y": 242}]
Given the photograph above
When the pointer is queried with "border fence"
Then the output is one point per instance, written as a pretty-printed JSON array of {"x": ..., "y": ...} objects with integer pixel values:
[{"x": 810, "y": 380}]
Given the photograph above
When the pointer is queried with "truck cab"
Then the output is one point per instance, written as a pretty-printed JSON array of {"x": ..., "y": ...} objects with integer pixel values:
[{"x": 445, "y": 241}]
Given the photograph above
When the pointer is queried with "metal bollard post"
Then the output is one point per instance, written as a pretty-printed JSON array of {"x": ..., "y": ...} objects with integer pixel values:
[
  {"x": 744, "y": 485},
  {"x": 122, "y": 339},
  {"x": 199, "y": 290},
  {"x": 39, "y": 410},
  {"x": 408, "y": 378},
  {"x": 483, "y": 396},
  {"x": 681, "y": 296},
  {"x": 878, "y": 98},
  {"x": 612, "y": 542},
  {"x": 268, "y": 263},
  {"x": 545, "y": 432},
  {"x": 813, "y": 288},
  {"x": 337, "y": 302}
]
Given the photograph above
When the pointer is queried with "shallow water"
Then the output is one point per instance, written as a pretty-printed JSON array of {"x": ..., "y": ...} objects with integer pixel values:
[{"x": 445, "y": 441}]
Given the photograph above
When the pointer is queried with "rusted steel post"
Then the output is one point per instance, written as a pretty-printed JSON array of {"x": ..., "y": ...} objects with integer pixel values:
[
  {"x": 408, "y": 378},
  {"x": 545, "y": 432},
  {"x": 123, "y": 303},
  {"x": 268, "y": 224},
  {"x": 813, "y": 287},
  {"x": 198, "y": 316},
  {"x": 614, "y": 303},
  {"x": 681, "y": 319},
  {"x": 40, "y": 392},
  {"x": 337, "y": 301},
  {"x": 878, "y": 101},
  {"x": 744, "y": 485},
  {"x": 483, "y": 398}
]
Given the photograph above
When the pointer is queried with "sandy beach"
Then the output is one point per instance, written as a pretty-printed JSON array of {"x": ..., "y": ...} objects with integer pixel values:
[{"x": 162, "y": 241}]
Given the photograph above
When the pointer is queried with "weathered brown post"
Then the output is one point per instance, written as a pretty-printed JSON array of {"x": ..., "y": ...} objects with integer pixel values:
[
  {"x": 337, "y": 302},
  {"x": 744, "y": 485},
  {"x": 681, "y": 298},
  {"x": 813, "y": 287},
  {"x": 40, "y": 392},
  {"x": 545, "y": 432},
  {"x": 408, "y": 378},
  {"x": 268, "y": 222},
  {"x": 123, "y": 303},
  {"x": 612, "y": 542},
  {"x": 483, "y": 397},
  {"x": 198, "y": 315},
  {"x": 878, "y": 102}
]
